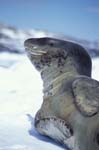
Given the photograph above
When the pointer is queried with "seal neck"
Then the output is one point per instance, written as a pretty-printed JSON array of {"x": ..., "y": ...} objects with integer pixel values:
[{"x": 54, "y": 76}]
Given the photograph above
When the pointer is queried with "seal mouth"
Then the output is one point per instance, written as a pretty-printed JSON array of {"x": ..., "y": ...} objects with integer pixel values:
[{"x": 33, "y": 48}]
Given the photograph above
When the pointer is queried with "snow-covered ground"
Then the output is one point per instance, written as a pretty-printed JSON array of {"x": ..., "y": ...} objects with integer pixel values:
[{"x": 20, "y": 98}]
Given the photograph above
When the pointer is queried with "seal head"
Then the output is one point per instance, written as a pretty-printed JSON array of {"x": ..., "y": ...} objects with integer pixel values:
[{"x": 42, "y": 51}]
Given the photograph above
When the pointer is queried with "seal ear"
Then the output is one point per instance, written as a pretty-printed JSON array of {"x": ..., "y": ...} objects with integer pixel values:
[{"x": 86, "y": 95}]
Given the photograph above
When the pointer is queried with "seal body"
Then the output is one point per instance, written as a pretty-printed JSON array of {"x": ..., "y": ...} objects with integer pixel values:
[{"x": 70, "y": 110}]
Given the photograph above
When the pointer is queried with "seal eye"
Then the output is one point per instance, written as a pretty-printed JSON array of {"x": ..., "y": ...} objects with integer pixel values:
[{"x": 51, "y": 44}]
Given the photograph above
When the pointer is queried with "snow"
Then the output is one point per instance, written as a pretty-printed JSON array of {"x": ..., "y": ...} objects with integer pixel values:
[
  {"x": 20, "y": 98},
  {"x": 10, "y": 33},
  {"x": 21, "y": 34},
  {"x": 16, "y": 37},
  {"x": 95, "y": 68}
]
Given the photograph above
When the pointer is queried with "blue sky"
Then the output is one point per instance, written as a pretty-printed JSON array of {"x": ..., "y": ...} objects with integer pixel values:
[{"x": 77, "y": 18}]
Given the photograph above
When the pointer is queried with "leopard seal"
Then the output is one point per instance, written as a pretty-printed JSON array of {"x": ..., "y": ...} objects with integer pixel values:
[{"x": 70, "y": 110}]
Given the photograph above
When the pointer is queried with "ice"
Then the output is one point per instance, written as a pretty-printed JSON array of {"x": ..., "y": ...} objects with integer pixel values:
[{"x": 95, "y": 68}]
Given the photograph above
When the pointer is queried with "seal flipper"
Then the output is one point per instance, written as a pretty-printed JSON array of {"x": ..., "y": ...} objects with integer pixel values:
[
  {"x": 86, "y": 95},
  {"x": 56, "y": 129}
]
